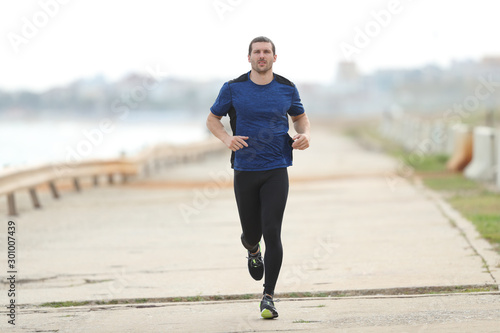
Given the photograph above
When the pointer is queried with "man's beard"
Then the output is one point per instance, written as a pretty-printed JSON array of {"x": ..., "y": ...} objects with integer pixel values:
[{"x": 267, "y": 68}]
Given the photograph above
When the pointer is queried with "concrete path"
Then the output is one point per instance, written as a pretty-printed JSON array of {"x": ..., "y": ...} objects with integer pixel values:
[
  {"x": 352, "y": 225},
  {"x": 429, "y": 313}
]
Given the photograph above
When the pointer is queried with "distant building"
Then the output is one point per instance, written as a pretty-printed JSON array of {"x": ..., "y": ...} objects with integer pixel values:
[
  {"x": 347, "y": 72},
  {"x": 491, "y": 61}
]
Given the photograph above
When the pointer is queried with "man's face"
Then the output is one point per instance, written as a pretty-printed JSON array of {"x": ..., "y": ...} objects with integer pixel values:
[{"x": 262, "y": 57}]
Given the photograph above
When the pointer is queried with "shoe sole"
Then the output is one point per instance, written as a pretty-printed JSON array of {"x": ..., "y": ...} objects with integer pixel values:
[{"x": 267, "y": 314}]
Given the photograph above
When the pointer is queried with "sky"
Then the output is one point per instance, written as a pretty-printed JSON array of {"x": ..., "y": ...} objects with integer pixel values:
[{"x": 47, "y": 43}]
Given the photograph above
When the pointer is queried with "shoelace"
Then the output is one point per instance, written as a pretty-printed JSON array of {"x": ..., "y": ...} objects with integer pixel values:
[
  {"x": 256, "y": 259},
  {"x": 269, "y": 302}
]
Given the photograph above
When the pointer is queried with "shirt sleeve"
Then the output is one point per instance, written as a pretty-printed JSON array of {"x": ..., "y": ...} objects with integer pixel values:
[
  {"x": 223, "y": 102},
  {"x": 296, "y": 108}
]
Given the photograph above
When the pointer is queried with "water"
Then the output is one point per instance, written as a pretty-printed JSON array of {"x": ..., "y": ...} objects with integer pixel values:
[{"x": 29, "y": 142}]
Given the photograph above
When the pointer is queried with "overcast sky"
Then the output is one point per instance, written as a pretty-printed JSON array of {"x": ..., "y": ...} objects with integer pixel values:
[{"x": 204, "y": 39}]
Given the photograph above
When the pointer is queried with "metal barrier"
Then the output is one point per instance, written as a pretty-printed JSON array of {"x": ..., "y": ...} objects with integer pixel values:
[{"x": 146, "y": 162}]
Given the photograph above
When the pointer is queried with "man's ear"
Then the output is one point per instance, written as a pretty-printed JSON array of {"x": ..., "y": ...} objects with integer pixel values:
[
  {"x": 275, "y": 57},
  {"x": 249, "y": 58}
]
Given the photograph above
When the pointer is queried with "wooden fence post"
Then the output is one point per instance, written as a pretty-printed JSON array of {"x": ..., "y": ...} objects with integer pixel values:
[
  {"x": 53, "y": 189},
  {"x": 34, "y": 198},
  {"x": 11, "y": 203},
  {"x": 76, "y": 183}
]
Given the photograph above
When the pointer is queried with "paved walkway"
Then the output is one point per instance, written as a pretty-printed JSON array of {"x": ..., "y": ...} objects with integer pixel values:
[
  {"x": 351, "y": 226},
  {"x": 429, "y": 313}
]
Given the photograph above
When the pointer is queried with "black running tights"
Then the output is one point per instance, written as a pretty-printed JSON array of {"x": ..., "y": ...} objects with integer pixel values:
[{"x": 261, "y": 198}]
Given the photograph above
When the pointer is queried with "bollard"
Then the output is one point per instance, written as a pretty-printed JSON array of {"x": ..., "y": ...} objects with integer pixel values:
[
  {"x": 462, "y": 148},
  {"x": 482, "y": 166}
]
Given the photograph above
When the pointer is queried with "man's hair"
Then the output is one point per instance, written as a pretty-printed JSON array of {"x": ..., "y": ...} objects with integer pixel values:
[{"x": 261, "y": 39}]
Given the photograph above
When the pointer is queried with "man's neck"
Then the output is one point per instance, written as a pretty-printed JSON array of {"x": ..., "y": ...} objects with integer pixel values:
[{"x": 261, "y": 78}]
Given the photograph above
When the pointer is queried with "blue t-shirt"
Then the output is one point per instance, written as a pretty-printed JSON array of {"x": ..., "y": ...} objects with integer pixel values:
[{"x": 261, "y": 113}]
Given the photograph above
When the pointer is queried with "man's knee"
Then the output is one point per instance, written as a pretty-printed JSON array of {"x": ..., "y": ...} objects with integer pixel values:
[
  {"x": 272, "y": 235},
  {"x": 249, "y": 246}
]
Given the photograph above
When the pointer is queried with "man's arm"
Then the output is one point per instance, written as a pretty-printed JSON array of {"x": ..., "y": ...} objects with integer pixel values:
[
  {"x": 302, "y": 127},
  {"x": 232, "y": 142}
]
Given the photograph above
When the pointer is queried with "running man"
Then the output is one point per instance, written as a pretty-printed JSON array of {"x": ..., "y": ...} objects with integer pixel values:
[{"x": 258, "y": 104}]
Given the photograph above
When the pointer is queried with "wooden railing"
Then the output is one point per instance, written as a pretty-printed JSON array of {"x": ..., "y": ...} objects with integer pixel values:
[{"x": 146, "y": 162}]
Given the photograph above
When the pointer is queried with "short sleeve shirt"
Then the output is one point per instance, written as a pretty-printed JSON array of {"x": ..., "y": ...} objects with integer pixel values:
[{"x": 261, "y": 113}]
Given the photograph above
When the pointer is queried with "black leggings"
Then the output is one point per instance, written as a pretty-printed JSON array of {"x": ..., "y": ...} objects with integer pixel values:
[{"x": 261, "y": 197}]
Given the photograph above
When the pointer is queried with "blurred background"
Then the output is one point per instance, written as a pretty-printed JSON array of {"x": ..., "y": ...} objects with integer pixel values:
[{"x": 98, "y": 79}]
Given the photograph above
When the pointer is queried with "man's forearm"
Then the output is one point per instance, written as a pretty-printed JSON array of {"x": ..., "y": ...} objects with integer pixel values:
[
  {"x": 232, "y": 142},
  {"x": 302, "y": 125},
  {"x": 215, "y": 126}
]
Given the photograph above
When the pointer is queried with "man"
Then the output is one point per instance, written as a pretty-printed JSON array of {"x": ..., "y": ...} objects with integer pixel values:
[{"x": 258, "y": 104}]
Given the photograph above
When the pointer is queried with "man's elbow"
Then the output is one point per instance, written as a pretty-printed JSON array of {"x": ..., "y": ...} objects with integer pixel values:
[
  {"x": 213, "y": 116},
  {"x": 211, "y": 119},
  {"x": 300, "y": 116}
]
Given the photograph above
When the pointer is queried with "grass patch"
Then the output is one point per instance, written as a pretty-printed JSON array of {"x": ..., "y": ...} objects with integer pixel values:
[
  {"x": 460, "y": 290},
  {"x": 344, "y": 293},
  {"x": 450, "y": 183},
  {"x": 97, "y": 281},
  {"x": 483, "y": 210},
  {"x": 427, "y": 163},
  {"x": 111, "y": 302},
  {"x": 64, "y": 304},
  {"x": 197, "y": 299},
  {"x": 476, "y": 290}
]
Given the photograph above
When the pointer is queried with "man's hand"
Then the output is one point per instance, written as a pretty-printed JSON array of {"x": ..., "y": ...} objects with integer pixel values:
[
  {"x": 236, "y": 142},
  {"x": 232, "y": 142},
  {"x": 302, "y": 127},
  {"x": 301, "y": 141}
]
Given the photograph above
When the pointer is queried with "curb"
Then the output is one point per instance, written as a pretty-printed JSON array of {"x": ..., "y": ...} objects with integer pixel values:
[{"x": 481, "y": 246}]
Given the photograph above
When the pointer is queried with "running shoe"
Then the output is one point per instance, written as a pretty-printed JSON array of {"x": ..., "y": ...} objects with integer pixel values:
[
  {"x": 256, "y": 265},
  {"x": 267, "y": 309}
]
